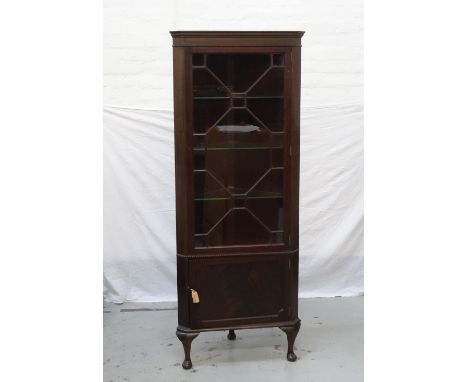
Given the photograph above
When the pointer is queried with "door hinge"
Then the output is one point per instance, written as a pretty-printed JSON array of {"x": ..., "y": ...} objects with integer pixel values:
[
  {"x": 289, "y": 239},
  {"x": 290, "y": 151}
]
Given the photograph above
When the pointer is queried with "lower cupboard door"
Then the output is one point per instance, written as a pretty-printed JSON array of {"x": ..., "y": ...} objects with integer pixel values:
[{"x": 239, "y": 290}]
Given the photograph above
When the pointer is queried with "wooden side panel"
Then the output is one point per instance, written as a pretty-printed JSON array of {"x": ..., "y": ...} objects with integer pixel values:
[
  {"x": 182, "y": 290},
  {"x": 294, "y": 137},
  {"x": 181, "y": 132},
  {"x": 294, "y": 280}
]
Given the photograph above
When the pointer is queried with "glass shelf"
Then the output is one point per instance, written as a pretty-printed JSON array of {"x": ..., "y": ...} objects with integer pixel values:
[
  {"x": 208, "y": 97},
  {"x": 236, "y": 193},
  {"x": 223, "y": 148},
  {"x": 247, "y": 97},
  {"x": 217, "y": 198}
]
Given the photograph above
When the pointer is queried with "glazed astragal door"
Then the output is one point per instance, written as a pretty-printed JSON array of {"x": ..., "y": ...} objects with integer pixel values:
[{"x": 239, "y": 147}]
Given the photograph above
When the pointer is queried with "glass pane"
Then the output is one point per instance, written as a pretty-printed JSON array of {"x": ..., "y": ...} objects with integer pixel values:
[
  {"x": 208, "y": 214},
  {"x": 207, "y": 187},
  {"x": 238, "y": 71},
  {"x": 238, "y": 113},
  {"x": 199, "y": 240},
  {"x": 268, "y": 110},
  {"x": 239, "y": 227},
  {"x": 270, "y": 185},
  {"x": 271, "y": 85},
  {"x": 278, "y": 60},
  {"x": 238, "y": 129},
  {"x": 199, "y": 160},
  {"x": 268, "y": 209},
  {"x": 277, "y": 237},
  {"x": 206, "y": 85},
  {"x": 277, "y": 141},
  {"x": 198, "y": 60},
  {"x": 206, "y": 113},
  {"x": 235, "y": 170},
  {"x": 277, "y": 158}
]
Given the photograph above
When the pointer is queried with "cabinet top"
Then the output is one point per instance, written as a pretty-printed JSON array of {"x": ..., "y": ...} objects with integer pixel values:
[{"x": 236, "y": 38}]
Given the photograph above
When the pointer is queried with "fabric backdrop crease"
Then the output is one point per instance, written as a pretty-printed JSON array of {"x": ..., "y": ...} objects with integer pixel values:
[{"x": 139, "y": 203}]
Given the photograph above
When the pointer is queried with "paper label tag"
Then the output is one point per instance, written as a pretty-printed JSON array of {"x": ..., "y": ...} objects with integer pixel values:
[{"x": 195, "y": 298}]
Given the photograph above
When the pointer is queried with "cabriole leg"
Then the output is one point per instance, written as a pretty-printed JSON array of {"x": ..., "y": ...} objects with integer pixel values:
[
  {"x": 186, "y": 339},
  {"x": 231, "y": 335},
  {"x": 291, "y": 333}
]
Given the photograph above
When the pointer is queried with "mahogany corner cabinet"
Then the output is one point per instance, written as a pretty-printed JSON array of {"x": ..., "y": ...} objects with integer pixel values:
[{"x": 236, "y": 117}]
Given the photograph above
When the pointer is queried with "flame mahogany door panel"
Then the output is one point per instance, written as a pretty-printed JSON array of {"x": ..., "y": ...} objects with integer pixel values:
[{"x": 238, "y": 291}]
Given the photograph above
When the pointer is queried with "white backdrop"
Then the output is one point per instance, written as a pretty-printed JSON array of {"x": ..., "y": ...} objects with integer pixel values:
[{"x": 139, "y": 217}]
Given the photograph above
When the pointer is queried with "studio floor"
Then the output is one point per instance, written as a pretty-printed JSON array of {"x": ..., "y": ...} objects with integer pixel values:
[{"x": 140, "y": 345}]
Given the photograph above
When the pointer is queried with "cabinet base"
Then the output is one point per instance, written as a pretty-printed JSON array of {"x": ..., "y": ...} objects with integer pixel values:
[{"x": 187, "y": 335}]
